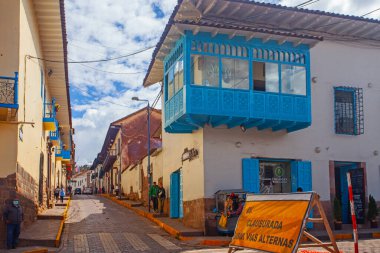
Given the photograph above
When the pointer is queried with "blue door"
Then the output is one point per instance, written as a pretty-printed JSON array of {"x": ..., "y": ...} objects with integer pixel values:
[
  {"x": 180, "y": 202},
  {"x": 174, "y": 195},
  {"x": 345, "y": 202},
  {"x": 251, "y": 177},
  {"x": 302, "y": 177}
]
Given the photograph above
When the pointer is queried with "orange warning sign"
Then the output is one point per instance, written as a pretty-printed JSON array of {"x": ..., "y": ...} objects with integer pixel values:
[{"x": 272, "y": 223}]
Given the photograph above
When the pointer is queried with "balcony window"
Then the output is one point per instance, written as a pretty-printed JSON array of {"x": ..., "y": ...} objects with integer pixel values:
[
  {"x": 235, "y": 74},
  {"x": 205, "y": 70},
  {"x": 170, "y": 83},
  {"x": 265, "y": 76},
  {"x": 293, "y": 79},
  {"x": 178, "y": 75},
  {"x": 174, "y": 78}
]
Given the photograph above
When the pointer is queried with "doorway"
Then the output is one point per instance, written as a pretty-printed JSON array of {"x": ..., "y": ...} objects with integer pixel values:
[
  {"x": 176, "y": 194},
  {"x": 358, "y": 188}
]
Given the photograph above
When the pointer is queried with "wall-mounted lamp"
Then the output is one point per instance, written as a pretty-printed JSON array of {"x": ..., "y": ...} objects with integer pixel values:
[
  {"x": 242, "y": 128},
  {"x": 370, "y": 85},
  {"x": 50, "y": 72},
  {"x": 314, "y": 79},
  {"x": 376, "y": 153},
  {"x": 238, "y": 144},
  {"x": 317, "y": 150}
]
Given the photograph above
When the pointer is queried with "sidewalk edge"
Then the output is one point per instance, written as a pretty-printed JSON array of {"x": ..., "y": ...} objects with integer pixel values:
[{"x": 61, "y": 226}]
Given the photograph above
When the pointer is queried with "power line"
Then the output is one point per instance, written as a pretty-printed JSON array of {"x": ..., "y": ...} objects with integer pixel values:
[
  {"x": 92, "y": 61},
  {"x": 110, "y": 72},
  {"x": 302, "y": 5}
]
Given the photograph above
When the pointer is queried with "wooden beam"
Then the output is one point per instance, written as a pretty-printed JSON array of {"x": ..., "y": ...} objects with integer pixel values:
[
  {"x": 237, "y": 8},
  {"x": 267, "y": 38},
  {"x": 232, "y": 35},
  {"x": 315, "y": 220},
  {"x": 249, "y": 37},
  {"x": 282, "y": 41},
  {"x": 209, "y": 7},
  {"x": 299, "y": 42},
  {"x": 214, "y": 33},
  {"x": 196, "y": 30},
  {"x": 223, "y": 8}
]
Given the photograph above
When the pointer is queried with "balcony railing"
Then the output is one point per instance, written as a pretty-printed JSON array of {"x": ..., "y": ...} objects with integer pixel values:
[
  {"x": 50, "y": 121},
  {"x": 9, "y": 91},
  {"x": 54, "y": 137},
  {"x": 110, "y": 159},
  {"x": 63, "y": 155}
]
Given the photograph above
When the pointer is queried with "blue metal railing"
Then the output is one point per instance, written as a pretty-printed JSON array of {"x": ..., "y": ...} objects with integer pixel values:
[{"x": 9, "y": 91}]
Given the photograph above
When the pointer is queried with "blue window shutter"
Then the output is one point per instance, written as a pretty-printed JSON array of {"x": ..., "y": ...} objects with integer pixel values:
[
  {"x": 294, "y": 175},
  {"x": 174, "y": 195},
  {"x": 251, "y": 179},
  {"x": 302, "y": 177}
]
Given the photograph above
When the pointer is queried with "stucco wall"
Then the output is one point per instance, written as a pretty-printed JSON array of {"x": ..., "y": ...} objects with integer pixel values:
[
  {"x": 30, "y": 99},
  {"x": 334, "y": 65},
  {"x": 9, "y": 26},
  {"x": 193, "y": 173}
]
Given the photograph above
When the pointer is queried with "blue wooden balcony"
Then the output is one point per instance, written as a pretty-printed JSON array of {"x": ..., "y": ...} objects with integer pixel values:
[
  {"x": 194, "y": 106},
  {"x": 54, "y": 137},
  {"x": 237, "y": 83},
  {"x": 49, "y": 120},
  {"x": 62, "y": 155},
  {"x": 9, "y": 91}
]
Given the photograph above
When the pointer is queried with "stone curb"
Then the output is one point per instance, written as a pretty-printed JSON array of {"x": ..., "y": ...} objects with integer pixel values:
[
  {"x": 37, "y": 251},
  {"x": 60, "y": 230}
]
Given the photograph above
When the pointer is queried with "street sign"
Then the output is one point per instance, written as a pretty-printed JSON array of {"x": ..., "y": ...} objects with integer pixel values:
[{"x": 276, "y": 223}]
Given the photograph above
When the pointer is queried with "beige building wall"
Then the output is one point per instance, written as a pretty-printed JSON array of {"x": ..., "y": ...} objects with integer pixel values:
[
  {"x": 173, "y": 146},
  {"x": 9, "y": 61},
  {"x": 30, "y": 99}
]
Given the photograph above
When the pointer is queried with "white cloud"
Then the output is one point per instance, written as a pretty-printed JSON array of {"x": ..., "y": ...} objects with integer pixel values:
[{"x": 100, "y": 29}]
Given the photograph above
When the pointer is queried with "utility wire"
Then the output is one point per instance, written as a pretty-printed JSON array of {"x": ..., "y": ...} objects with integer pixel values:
[
  {"x": 110, "y": 72},
  {"x": 302, "y": 5},
  {"x": 100, "y": 60}
]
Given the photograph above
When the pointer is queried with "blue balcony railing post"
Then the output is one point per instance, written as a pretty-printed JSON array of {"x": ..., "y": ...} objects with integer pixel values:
[{"x": 15, "y": 96}]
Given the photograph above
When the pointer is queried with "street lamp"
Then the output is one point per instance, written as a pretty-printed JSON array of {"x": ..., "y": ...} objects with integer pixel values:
[{"x": 148, "y": 139}]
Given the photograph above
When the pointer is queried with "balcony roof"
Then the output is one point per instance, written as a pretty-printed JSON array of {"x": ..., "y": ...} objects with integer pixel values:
[
  {"x": 260, "y": 20},
  {"x": 50, "y": 16}
]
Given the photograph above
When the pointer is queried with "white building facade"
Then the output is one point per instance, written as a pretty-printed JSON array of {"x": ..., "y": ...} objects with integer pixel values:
[{"x": 268, "y": 99}]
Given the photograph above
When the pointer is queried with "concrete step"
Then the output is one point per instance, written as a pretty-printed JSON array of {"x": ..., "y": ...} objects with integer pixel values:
[
  {"x": 40, "y": 233},
  {"x": 49, "y": 217}
]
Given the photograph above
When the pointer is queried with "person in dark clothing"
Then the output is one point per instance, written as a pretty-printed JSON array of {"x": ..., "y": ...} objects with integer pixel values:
[
  {"x": 56, "y": 194},
  {"x": 299, "y": 189},
  {"x": 161, "y": 197},
  {"x": 13, "y": 216},
  {"x": 153, "y": 196}
]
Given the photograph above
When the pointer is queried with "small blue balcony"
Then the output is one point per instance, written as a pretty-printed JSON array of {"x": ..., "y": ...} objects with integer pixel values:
[
  {"x": 63, "y": 155},
  {"x": 49, "y": 120},
  {"x": 54, "y": 137},
  {"x": 9, "y": 91},
  {"x": 234, "y": 82}
]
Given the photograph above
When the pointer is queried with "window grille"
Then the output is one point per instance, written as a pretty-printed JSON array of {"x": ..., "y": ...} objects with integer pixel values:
[{"x": 349, "y": 115}]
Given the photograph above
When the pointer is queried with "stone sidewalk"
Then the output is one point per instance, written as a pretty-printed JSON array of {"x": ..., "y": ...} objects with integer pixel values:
[{"x": 46, "y": 230}]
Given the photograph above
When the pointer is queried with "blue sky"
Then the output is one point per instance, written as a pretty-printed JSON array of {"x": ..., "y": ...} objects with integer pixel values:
[{"x": 97, "y": 29}]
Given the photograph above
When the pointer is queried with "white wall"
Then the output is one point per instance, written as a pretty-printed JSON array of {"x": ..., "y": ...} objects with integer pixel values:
[{"x": 334, "y": 65}]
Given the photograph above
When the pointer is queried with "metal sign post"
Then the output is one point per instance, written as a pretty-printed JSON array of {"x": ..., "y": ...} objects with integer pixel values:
[{"x": 353, "y": 216}]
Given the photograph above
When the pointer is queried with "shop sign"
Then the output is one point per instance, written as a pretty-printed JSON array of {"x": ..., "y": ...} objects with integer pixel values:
[{"x": 272, "y": 222}]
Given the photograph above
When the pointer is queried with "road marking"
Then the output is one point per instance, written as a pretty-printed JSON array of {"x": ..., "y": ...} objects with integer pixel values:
[
  {"x": 136, "y": 242},
  {"x": 109, "y": 244},
  {"x": 164, "y": 242},
  {"x": 81, "y": 244}
]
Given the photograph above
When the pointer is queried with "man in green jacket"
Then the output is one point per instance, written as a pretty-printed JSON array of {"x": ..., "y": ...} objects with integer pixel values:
[{"x": 153, "y": 191}]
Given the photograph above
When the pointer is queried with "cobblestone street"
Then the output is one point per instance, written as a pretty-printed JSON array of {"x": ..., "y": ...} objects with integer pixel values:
[{"x": 96, "y": 224}]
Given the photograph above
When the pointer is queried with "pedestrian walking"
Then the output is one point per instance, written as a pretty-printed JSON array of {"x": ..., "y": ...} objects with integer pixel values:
[
  {"x": 161, "y": 197},
  {"x": 103, "y": 190},
  {"x": 69, "y": 189},
  {"x": 13, "y": 216},
  {"x": 56, "y": 194},
  {"x": 62, "y": 194},
  {"x": 153, "y": 196}
]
